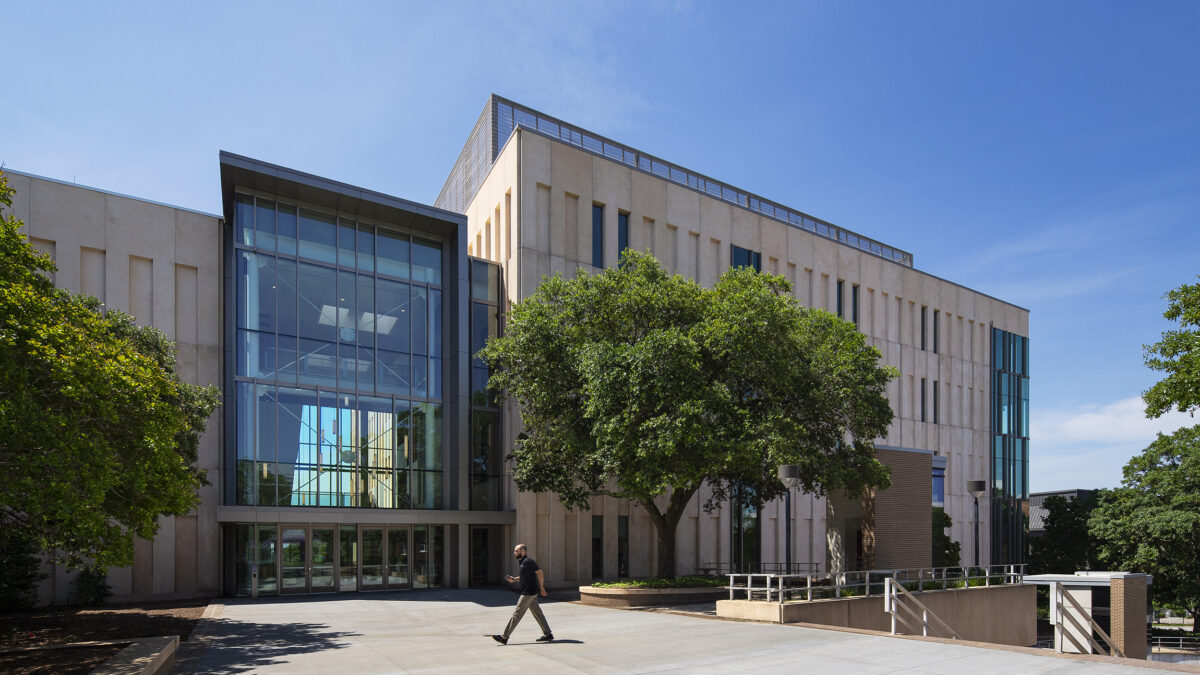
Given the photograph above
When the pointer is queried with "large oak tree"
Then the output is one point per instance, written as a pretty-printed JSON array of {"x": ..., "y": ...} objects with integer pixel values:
[{"x": 640, "y": 384}]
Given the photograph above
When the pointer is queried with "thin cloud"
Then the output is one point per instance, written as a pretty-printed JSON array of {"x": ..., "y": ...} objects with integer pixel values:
[
  {"x": 1087, "y": 446},
  {"x": 1034, "y": 291},
  {"x": 1119, "y": 422}
]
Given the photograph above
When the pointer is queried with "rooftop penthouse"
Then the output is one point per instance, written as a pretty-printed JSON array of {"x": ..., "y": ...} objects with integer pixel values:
[{"x": 501, "y": 117}]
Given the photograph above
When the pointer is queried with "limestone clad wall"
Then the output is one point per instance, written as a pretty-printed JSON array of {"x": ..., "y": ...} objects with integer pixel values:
[
  {"x": 163, "y": 266},
  {"x": 546, "y": 190}
]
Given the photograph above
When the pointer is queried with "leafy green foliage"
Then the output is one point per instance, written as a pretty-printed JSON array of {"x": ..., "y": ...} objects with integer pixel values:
[
  {"x": 640, "y": 384},
  {"x": 20, "y": 569},
  {"x": 1151, "y": 523},
  {"x": 946, "y": 551},
  {"x": 90, "y": 587},
  {"x": 1178, "y": 355},
  {"x": 98, "y": 435},
  {"x": 1065, "y": 545},
  {"x": 677, "y": 582}
]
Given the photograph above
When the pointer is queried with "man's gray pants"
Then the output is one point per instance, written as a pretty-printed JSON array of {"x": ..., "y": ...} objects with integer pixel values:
[{"x": 527, "y": 602}]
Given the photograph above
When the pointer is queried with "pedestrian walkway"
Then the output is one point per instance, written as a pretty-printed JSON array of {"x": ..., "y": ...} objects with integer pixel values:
[{"x": 449, "y": 631}]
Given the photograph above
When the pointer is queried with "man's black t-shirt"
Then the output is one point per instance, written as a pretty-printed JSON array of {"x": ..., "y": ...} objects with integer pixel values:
[{"x": 529, "y": 582}]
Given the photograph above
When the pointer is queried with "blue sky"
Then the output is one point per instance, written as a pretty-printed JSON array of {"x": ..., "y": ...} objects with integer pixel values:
[{"x": 1047, "y": 153}]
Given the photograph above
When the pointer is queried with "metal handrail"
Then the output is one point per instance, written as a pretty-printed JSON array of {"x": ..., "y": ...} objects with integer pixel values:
[
  {"x": 1178, "y": 643},
  {"x": 1091, "y": 622},
  {"x": 893, "y": 591},
  {"x": 784, "y": 587}
]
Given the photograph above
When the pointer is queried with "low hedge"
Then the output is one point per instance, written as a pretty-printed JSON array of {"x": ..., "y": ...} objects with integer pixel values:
[{"x": 677, "y": 582}]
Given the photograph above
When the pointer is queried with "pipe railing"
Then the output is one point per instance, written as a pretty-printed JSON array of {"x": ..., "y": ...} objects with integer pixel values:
[
  {"x": 897, "y": 598},
  {"x": 1174, "y": 643},
  {"x": 811, "y": 586}
]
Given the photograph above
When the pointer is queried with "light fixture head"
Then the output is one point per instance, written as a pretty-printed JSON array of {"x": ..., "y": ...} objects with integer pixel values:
[
  {"x": 789, "y": 475},
  {"x": 977, "y": 488}
]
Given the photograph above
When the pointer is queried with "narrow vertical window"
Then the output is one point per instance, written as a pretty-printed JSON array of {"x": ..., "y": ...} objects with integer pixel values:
[
  {"x": 936, "y": 314},
  {"x": 622, "y": 234},
  {"x": 622, "y": 546},
  {"x": 935, "y": 399},
  {"x": 597, "y": 547},
  {"x": 744, "y": 257},
  {"x": 841, "y": 287},
  {"x": 922, "y": 399},
  {"x": 597, "y": 235},
  {"x": 854, "y": 305},
  {"x": 923, "y": 313}
]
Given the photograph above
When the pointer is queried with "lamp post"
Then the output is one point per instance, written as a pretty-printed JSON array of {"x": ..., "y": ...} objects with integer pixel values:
[
  {"x": 789, "y": 475},
  {"x": 976, "y": 488}
]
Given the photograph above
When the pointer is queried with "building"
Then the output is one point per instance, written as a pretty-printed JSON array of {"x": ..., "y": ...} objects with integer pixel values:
[
  {"x": 1038, "y": 511},
  {"x": 357, "y": 448},
  {"x": 543, "y": 196}
]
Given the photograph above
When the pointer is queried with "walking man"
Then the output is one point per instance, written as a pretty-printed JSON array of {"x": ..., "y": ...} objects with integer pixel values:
[{"x": 531, "y": 584}]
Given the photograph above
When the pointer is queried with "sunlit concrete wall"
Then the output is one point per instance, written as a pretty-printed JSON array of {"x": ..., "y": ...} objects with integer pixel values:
[
  {"x": 162, "y": 265},
  {"x": 533, "y": 214}
]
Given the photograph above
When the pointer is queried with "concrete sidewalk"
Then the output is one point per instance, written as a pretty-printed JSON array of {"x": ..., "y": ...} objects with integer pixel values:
[{"x": 448, "y": 630}]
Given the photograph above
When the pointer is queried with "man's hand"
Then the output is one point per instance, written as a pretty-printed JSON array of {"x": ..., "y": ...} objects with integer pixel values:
[
  {"x": 510, "y": 578},
  {"x": 543, "y": 592}
]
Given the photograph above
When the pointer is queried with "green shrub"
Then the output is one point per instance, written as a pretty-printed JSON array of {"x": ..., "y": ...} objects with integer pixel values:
[
  {"x": 677, "y": 582},
  {"x": 90, "y": 587},
  {"x": 20, "y": 569}
]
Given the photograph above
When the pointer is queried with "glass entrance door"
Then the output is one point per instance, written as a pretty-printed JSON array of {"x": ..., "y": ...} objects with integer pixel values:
[
  {"x": 348, "y": 558},
  {"x": 485, "y": 558},
  {"x": 293, "y": 560},
  {"x": 324, "y": 559},
  {"x": 372, "y": 559},
  {"x": 266, "y": 561},
  {"x": 397, "y": 558}
]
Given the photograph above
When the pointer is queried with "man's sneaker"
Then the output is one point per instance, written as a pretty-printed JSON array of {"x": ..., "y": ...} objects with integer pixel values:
[
  {"x": 548, "y": 637},
  {"x": 501, "y": 639}
]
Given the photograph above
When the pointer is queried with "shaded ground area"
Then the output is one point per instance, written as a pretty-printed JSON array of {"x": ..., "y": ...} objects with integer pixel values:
[
  {"x": 62, "y": 625},
  {"x": 45, "y": 662}
]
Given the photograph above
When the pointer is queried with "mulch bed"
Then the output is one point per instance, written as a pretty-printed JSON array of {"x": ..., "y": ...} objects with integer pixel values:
[{"x": 62, "y": 625}]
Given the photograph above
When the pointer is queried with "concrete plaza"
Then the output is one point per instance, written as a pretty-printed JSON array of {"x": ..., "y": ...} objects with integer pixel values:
[{"x": 448, "y": 630}]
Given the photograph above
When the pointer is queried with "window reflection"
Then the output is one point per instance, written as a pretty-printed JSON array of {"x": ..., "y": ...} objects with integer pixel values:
[{"x": 309, "y": 335}]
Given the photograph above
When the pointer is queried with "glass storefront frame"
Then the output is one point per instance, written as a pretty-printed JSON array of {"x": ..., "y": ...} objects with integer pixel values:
[{"x": 309, "y": 558}]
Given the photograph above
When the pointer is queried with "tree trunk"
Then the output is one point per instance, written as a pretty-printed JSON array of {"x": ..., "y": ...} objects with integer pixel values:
[
  {"x": 666, "y": 553},
  {"x": 665, "y": 524}
]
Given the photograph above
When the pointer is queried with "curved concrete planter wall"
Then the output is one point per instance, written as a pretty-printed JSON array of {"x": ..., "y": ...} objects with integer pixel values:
[{"x": 648, "y": 597}]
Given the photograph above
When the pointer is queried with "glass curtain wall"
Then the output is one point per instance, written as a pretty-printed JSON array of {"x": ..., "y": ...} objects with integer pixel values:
[
  {"x": 338, "y": 361},
  {"x": 487, "y": 457},
  {"x": 1010, "y": 446}
]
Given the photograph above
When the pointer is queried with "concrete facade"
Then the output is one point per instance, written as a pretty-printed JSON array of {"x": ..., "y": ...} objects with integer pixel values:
[
  {"x": 997, "y": 614},
  {"x": 162, "y": 265},
  {"x": 532, "y": 214}
]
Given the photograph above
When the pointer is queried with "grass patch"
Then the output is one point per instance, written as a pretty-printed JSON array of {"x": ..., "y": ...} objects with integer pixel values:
[{"x": 677, "y": 582}]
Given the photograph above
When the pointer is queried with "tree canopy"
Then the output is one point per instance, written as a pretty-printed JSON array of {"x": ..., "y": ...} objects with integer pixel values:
[
  {"x": 1065, "y": 546},
  {"x": 946, "y": 551},
  {"x": 1178, "y": 355},
  {"x": 98, "y": 435},
  {"x": 1151, "y": 523},
  {"x": 638, "y": 383}
]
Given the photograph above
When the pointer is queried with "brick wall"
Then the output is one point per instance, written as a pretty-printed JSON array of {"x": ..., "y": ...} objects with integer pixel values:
[
  {"x": 1128, "y": 614},
  {"x": 904, "y": 511}
]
